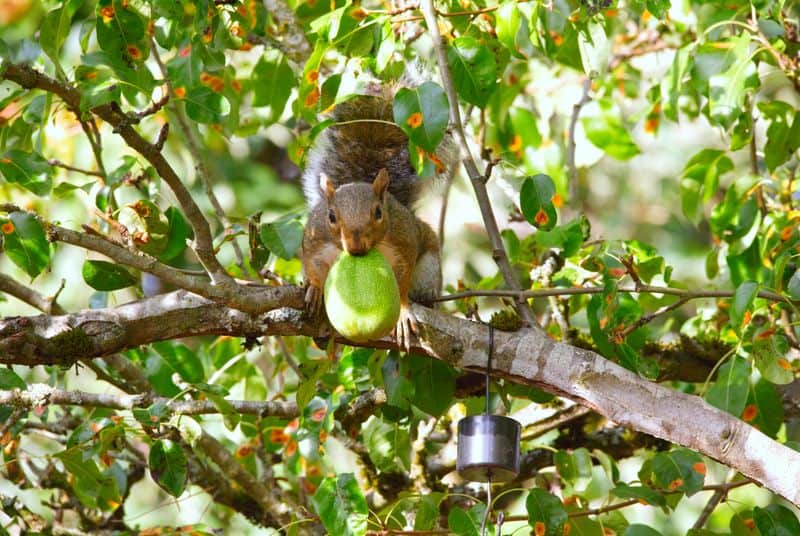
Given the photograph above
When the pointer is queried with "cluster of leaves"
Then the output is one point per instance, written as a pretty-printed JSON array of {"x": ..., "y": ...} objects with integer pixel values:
[{"x": 225, "y": 71}]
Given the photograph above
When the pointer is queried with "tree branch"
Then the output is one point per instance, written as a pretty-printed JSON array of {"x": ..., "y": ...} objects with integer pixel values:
[
  {"x": 29, "y": 296},
  {"x": 199, "y": 160},
  {"x": 30, "y": 78},
  {"x": 648, "y": 289},
  {"x": 527, "y": 357},
  {"x": 476, "y": 178},
  {"x": 250, "y": 298},
  {"x": 39, "y": 394}
]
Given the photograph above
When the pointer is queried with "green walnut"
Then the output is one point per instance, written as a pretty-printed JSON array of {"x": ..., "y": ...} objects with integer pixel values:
[{"x": 361, "y": 296}]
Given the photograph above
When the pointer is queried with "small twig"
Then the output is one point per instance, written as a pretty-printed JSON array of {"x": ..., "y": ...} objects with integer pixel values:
[
  {"x": 571, "y": 291},
  {"x": 93, "y": 135},
  {"x": 199, "y": 160},
  {"x": 15, "y": 416},
  {"x": 627, "y": 262},
  {"x": 576, "y": 110},
  {"x": 152, "y": 109},
  {"x": 644, "y": 319},
  {"x": 556, "y": 420},
  {"x": 162, "y": 137},
  {"x": 59, "y": 163},
  {"x": 443, "y": 209},
  {"x": 631, "y": 502},
  {"x": 476, "y": 177},
  {"x": 30, "y": 296}
]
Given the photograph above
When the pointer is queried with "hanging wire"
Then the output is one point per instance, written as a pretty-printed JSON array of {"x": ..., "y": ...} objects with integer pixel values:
[
  {"x": 489, "y": 365},
  {"x": 488, "y": 471}
]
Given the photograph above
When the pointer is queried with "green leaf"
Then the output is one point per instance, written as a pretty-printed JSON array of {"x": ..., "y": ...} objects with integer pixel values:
[
  {"x": 536, "y": 201},
  {"x": 91, "y": 487},
  {"x": 474, "y": 70},
  {"x": 679, "y": 470},
  {"x": 427, "y": 511},
  {"x": 606, "y": 131},
  {"x": 168, "y": 466},
  {"x": 523, "y": 121},
  {"x": 729, "y": 391},
  {"x": 701, "y": 174},
  {"x": 742, "y": 300},
  {"x": 595, "y": 49},
  {"x": 776, "y": 520},
  {"x": 793, "y": 287},
  {"x": 512, "y": 30},
  {"x": 282, "y": 237},
  {"x": 673, "y": 83},
  {"x": 783, "y": 133},
  {"x": 769, "y": 408},
  {"x": 568, "y": 237},
  {"x": 205, "y": 105},
  {"x": 641, "y": 493},
  {"x": 341, "y": 506},
  {"x": 423, "y": 113},
  {"x": 179, "y": 232},
  {"x": 25, "y": 242},
  {"x": 727, "y": 90},
  {"x": 10, "y": 380},
  {"x": 400, "y": 390},
  {"x": 574, "y": 467},
  {"x": 54, "y": 29},
  {"x": 466, "y": 522},
  {"x": 769, "y": 351},
  {"x": 434, "y": 383},
  {"x": 120, "y": 31},
  {"x": 388, "y": 445},
  {"x": 273, "y": 81},
  {"x": 182, "y": 360},
  {"x": 546, "y": 514},
  {"x": 98, "y": 94},
  {"x": 29, "y": 170},
  {"x": 104, "y": 275}
]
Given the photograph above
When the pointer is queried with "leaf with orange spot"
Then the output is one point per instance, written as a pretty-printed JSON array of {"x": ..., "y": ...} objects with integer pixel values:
[
  {"x": 414, "y": 120},
  {"x": 536, "y": 201},
  {"x": 546, "y": 513},
  {"x": 700, "y": 467}
]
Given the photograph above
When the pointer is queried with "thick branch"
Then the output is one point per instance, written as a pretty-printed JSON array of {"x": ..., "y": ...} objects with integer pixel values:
[
  {"x": 62, "y": 340},
  {"x": 30, "y": 78},
  {"x": 527, "y": 357}
]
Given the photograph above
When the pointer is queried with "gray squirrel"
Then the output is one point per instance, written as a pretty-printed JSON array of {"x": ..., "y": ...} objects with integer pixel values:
[{"x": 360, "y": 188}]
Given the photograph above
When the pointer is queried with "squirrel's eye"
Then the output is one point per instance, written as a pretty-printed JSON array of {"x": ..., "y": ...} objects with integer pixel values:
[
  {"x": 332, "y": 217},
  {"x": 378, "y": 213}
]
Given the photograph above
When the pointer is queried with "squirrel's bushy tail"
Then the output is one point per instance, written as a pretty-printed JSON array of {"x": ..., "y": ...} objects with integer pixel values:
[{"x": 364, "y": 141}]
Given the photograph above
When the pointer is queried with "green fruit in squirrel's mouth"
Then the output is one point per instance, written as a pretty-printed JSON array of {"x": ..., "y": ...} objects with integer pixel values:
[{"x": 361, "y": 296}]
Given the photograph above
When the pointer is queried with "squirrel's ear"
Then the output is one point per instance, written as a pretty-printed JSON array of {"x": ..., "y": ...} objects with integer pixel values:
[
  {"x": 327, "y": 186},
  {"x": 381, "y": 183}
]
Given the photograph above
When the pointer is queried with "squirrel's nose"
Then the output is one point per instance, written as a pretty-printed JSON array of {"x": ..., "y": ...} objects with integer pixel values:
[{"x": 354, "y": 245}]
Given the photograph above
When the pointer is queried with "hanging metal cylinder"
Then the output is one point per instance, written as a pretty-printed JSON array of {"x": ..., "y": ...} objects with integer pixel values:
[{"x": 488, "y": 448}]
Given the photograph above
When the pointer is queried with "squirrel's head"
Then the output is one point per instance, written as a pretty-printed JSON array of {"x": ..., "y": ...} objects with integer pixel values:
[{"x": 357, "y": 212}]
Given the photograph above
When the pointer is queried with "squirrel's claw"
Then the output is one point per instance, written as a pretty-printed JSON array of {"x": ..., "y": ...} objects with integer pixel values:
[
  {"x": 406, "y": 326},
  {"x": 313, "y": 301}
]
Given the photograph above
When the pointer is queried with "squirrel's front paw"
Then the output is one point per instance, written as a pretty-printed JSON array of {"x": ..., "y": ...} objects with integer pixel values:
[
  {"x": 313, "y": 301},
  {"x": 406, "y": 325}
]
